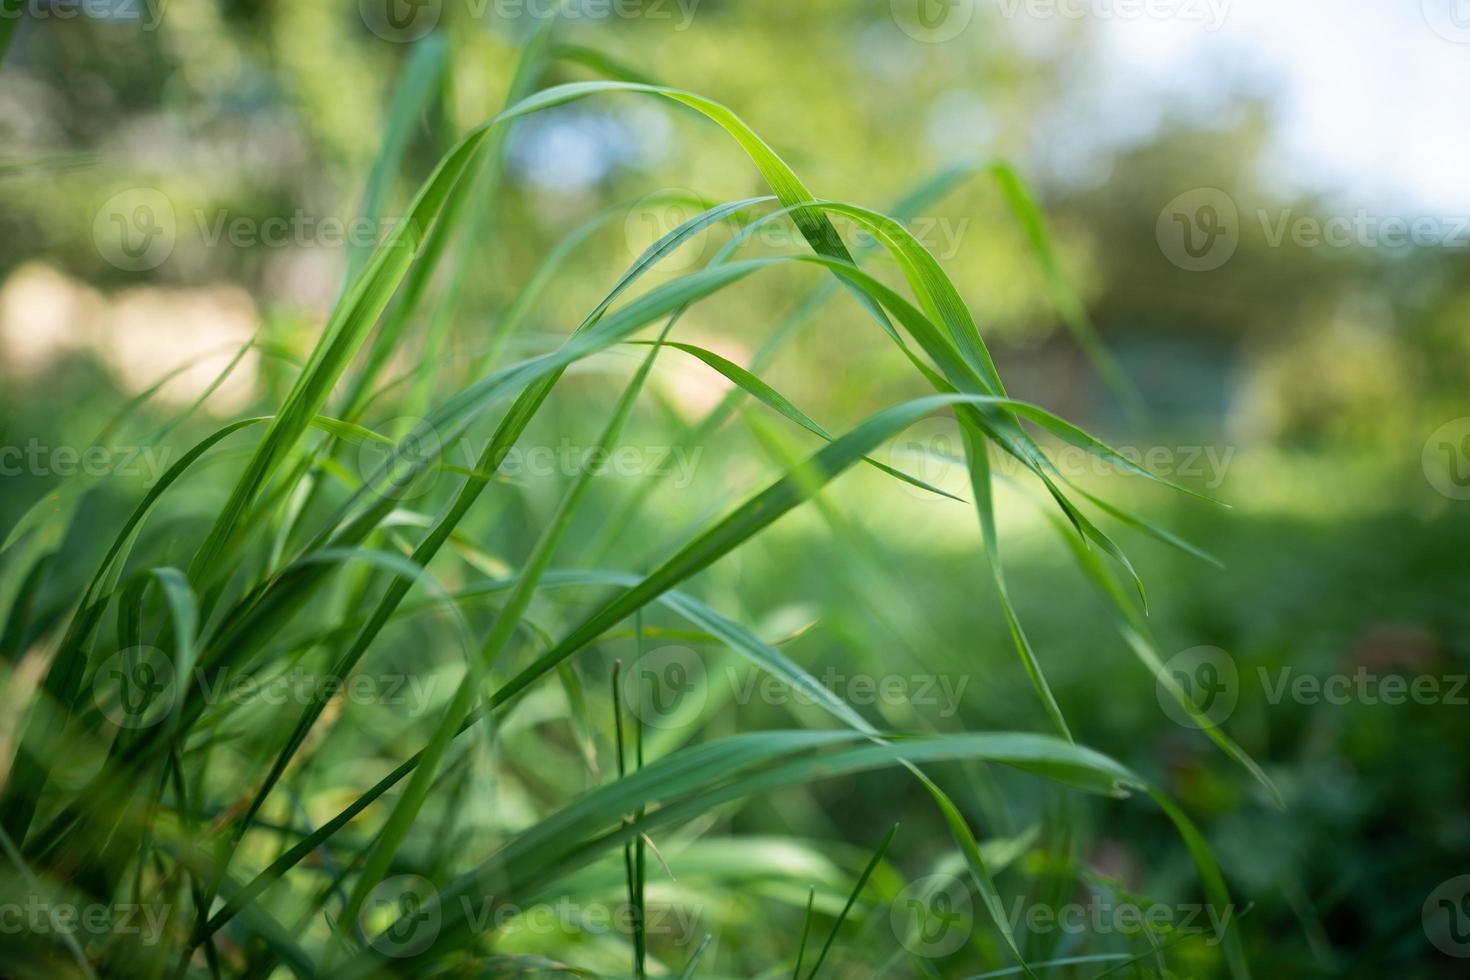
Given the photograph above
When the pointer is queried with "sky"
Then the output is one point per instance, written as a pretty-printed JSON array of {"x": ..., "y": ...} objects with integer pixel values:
[{"x": 1372, "y": 97}]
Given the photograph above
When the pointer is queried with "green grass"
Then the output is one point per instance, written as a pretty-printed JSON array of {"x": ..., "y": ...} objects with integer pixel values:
[{"x": 305, "y": 564}]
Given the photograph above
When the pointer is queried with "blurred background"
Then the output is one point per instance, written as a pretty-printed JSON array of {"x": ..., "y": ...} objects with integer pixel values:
[{"x": 1262, "y": 207}]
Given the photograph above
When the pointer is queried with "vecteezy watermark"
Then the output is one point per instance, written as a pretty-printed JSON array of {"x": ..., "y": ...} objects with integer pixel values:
[
  {"x": 1446, "y": 917},
  {"x": 678, "y": 13},
  {"x": 656, "y": 215},
  {"x": 942, "y": 236},
  {"x": 930, "y": 450},
  {"x": 1446, "y": 459},
  {"x": 670, "y": 686},
  {"x": 1209, "y": 13},
  {"x": 937, "y": 21},
  {"x": 405, "y": 21},
  {"x": 148, "y": 13},
  {"x": 297, "y": 230},
  {"x": 137, "y": 229},
  {"x": 1363, "y": 229},
  {"x": 41, "y": 916},
  {"x": 932, "y": 21},
  {"x": 1363, "y": 686},
  {"x": 679, "y": 923},
  {"x": 933, "y": 916},
  {"x": 1450, "y": 19},
  {"x": 400, "y": 21},
  {"x": 1208, "y": 679},
  {"x": 406, "y": 469},
  {"x": 941, "y": 692},
  {"x": 1210, "y": 465},
  {"x": 1201, "y": 229},
  {"x": 667, "y": 687},
  {"x": 36, "y": 459},
  {"x": 135, "y": 688},
  {"x": 138, "y": 688},
  {"x": 412, "y": 693},
  {"x": 402, "y": 469},
  {"x": 1202, "y": 678},
  {"x": 401, "y": 916},
  {"x": 1099, "y": 916},
  {"x": 933, "y": 451},
  {"x": 404, "y": 914}
]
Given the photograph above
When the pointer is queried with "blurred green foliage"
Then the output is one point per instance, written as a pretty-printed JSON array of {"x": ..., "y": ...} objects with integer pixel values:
[{"x": 1320, "y": 372}]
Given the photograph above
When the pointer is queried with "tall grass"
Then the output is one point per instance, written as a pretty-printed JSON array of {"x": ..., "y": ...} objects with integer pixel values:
[{"x": 192, "y": 806}]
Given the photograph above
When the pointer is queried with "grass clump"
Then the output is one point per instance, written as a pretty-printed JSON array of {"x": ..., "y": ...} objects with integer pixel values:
[{"x": 160, "y": 795}]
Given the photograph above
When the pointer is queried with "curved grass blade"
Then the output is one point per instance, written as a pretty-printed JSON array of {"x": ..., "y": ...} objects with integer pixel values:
[
  {"x": 64, "y": 677},
  {"x": 806, "y": 929},
  {"x": 1136, "y": 634},
  {"x": 770, "y": 397},
  {"x": 746, "y": 521},
  {"x": 1211, "y": 879},
  {"x": 931, "y": 189},
  {"x": 21, "y": 794},
  {"x": 406, "y": 810},
  {"x": 741, "y": 766},
  {"x": 740, "y": 639},
  {"x": 1064, "y": 297},
  {"x": 12, "y": 852},
  {"x": 259, "y": 614},
  {"x": 546, "y": 270},
  {"x": 977, "y": 455},
  {"x": 494, "y": 454}
]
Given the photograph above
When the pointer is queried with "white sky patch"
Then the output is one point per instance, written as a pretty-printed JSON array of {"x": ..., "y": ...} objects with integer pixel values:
[{"x": 1370, "y": 96}]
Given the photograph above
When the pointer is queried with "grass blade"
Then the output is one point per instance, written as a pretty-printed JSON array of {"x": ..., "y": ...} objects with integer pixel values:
[{"x": 851, "y": 899}]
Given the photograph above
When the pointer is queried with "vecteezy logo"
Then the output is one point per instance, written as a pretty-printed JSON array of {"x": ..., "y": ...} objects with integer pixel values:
[
  {"x": 400, "y": 21},
  {"x": 1204, "y": 677},
  {"x": 930, "y": 450},
  {"x": 135, "y": 687},
  {"x": 666, "y": 687},
  {"x": 932, "y": 21},
  {"x": 401, "y": 916},
  {"x": 407, "y": 468},
  {"x": 1447, "y": 459},
  {"x": 135, "y": 229},
  {"x": 655, "y": 215},
  {"x": 933, "y": 916},
  {"x": 1446, "y": 917},
  {"x": 1199, "y": 230},
  {"x": 1450, "y": 19}
]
